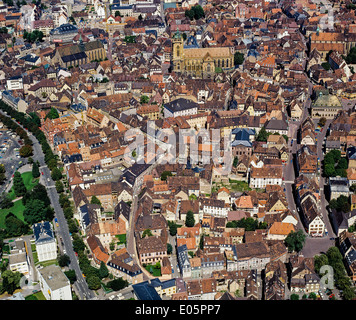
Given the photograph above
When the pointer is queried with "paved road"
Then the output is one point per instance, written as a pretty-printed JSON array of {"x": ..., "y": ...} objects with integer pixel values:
[{"x": 80, "y": 284}]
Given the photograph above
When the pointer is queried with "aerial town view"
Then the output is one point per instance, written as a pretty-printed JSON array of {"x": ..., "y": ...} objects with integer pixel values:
[{"x": 178, "y": 150}]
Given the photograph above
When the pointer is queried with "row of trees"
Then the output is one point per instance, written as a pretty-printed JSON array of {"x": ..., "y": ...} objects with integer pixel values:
[
  {"x": 334, "y": 164},
  {"x": 33, "y": 36},
  {"x": 195, "y": 13},
  {"x": 31, "y": 122},
  {"x": 250, "y": 224},
  {"x": 334, "y": 259}
]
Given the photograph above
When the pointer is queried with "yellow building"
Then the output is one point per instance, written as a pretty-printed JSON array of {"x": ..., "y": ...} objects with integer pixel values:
[{"x": 200, "y": 62}]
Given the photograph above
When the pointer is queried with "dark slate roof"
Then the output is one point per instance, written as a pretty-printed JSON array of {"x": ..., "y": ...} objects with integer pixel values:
[
  {"x": 180, "y": 104},
  {"x": 43, "y": 232},
  {"x": 145, "y": 291}
]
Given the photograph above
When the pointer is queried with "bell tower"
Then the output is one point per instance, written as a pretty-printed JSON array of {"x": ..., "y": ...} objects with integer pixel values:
[{"x": 177, "y": 54}]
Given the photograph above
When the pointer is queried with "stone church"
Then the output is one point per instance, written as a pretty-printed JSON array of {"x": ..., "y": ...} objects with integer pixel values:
[{"x": 198, "y": 62}]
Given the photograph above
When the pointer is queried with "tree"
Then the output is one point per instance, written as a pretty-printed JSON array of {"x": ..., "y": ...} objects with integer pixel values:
[
  {"x": 103, "y": 271},
  {"x": 35, "y": 170},
  {"x": 26, "y": 151},
  {"x": 238, "y": 58},
  {"x": 319, "y": 261},
  {"x": 56, "y": 174},
  {"x": 117, "y": 284},
  {"x": 294, "y": 296},
  {"x": 172, "y": 228},
  {"x": 295, "y": 241},
  {"x": 35, "y": 211},
  {"x": 52, "y": 114},
  {"x": 6, "y": 202},
  {"x": 2, "y": 173},
  {"x": 63, "y": 260},
  {"x": 189, "y": 220},
  {"x": 262, "y": 135},
  {"x": 147, "y": 232},
  {"x": 15, "y": 227},
  {"x": 196, "y": 12},
  {"x": 144, "y": 99},
  {"x": 236, "y": 161},
  {"x": 169, "y": 248},
  {"x": 117, "y": 14},
  {"x": 59, "y": 186},
  {"x": 11, "y": 281},
  {"x": 18, "y": 185},
  {"x": 165, "y": 174},
  {"x": 72, "y": 277},
  {"x": 322, "y": 121},
  {"x": 94, "y": 282},
  {"x": 312, "y": 295},
  {"x": 95, "y": 200}
]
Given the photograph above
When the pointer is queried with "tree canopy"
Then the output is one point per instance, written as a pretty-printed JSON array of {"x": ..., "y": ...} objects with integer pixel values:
[{"x": 295, "y": 241}]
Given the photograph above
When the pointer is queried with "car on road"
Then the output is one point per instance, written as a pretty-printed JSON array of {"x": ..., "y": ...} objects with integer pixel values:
[
  {"x": 332, "y": 238},
  {"x": 42, "y": 172},
  {"x": 48, "y": 179}
]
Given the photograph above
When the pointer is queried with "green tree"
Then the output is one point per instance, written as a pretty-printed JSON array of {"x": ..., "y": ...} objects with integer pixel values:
[
  {"x": 59, "y": 186},
  {"x": 238, "y": 58},
  {"x": 169, "y": 248},
  {"x": 56, "y": 174},
  {"x": 262, "y": 135},
  {"x": 35, "y": 170},
  {"x": 6, "y": 202},
  {"x": 117, "y": 284},
  {"x": 95, "y": 200},
  {"x": 189, "y": 220},
  {"x": 165, "y": 174},
  {"x": 26, "y": 151},
  {"x": 172, "y": 228},
  {"x": 15, "y": 227},
  {"x": 63, "y": 260},
  {"x": 18, "y": 185},
  {"x": 294, "y": 296},
  {"x": 312, "y": 295},
  {"x": 52, "y": 114},
  {"x": 319, "y": 261},
  {"x": 147, "y": 232},
  {"x": 72, "y": 277},
  {"x": 103, "y": 271},
  {"x": 144, "y": 99},
  {"x": 295, "y": 241},
  {"x": 94, "y": 282},
  {"x": 236, "y": 161},
  {"x": 10, "y": 281},
  {"x": 35, "y": 211}
]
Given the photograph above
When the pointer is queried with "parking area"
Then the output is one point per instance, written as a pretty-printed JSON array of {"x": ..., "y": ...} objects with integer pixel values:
[{"x": 10, "y": 145}]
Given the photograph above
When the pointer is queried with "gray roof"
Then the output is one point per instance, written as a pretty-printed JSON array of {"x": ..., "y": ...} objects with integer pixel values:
[{"x": 54, "y": 277}]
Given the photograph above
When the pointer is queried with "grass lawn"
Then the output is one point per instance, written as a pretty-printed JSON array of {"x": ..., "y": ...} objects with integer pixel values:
[
  {"x": 36, "y": 296},
  {"x": 155, "y": 272},
  {"x": 122, "y": 238},
  {"x": 27, "y": 180},
  {"x": 18, "y": 207}
]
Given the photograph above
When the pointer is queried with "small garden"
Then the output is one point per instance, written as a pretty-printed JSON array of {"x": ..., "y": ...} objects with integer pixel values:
[{"x": 155, "y": 269}]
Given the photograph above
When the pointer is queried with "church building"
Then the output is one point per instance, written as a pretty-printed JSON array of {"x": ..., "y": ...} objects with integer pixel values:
[{"x": 198, "y": 62}]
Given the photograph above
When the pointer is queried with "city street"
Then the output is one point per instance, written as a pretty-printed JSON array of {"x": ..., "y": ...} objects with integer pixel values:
[{"x": 81, "y": 285}]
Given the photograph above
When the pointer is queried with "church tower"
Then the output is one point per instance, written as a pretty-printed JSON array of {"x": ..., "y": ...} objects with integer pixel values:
[{"x": 177, "y": 54}]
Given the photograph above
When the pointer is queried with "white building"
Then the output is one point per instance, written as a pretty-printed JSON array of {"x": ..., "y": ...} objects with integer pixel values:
[
  {"x": 180, "y": 107},
  {"x": 46, "y": 245},
  {"x": 54, "y": 283},
  {"x": 261, "y": 177}
]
